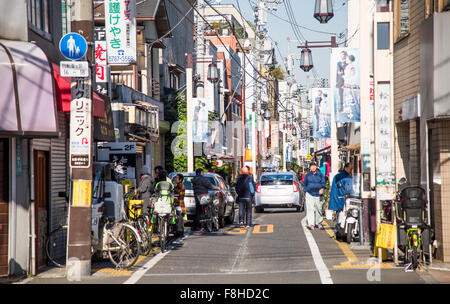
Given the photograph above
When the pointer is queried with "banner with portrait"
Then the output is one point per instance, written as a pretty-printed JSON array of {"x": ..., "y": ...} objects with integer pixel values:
[
  {"x": 200, "y": 121},
  {"x": 321, "y": 120},
  {"x": 345, "y": 81}
]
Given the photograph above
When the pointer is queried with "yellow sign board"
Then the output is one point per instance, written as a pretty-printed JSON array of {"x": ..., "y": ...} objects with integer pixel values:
[
  {"x": 308, "y": 156},
  {"x": 385, "y": 237},
  {"x": 82, "y": 193}
]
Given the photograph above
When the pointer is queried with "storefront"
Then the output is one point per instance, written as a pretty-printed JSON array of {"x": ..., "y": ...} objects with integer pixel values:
[{"x": 28, "y": 115}]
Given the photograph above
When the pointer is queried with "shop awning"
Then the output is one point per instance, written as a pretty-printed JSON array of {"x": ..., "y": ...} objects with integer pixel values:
[
  {"x": 322, "y": 150},
  {"x": 350, "y": 148},
  {"x": 27, "y": 100},
  {"x": 64, "y": 96}
]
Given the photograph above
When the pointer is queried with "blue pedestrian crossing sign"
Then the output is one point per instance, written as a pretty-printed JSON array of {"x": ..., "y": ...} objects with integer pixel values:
[{"x": 73, "y": 46}]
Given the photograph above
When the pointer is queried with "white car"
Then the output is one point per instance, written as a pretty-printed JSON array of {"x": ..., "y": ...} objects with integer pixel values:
[{"x": 278, "y": 190}]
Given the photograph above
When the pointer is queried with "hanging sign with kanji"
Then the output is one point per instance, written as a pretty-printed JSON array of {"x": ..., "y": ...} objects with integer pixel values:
[{"x": 120, "y": 23}]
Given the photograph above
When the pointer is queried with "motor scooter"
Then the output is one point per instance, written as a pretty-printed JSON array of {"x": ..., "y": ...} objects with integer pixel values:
[{"x": 348, "y": 219}]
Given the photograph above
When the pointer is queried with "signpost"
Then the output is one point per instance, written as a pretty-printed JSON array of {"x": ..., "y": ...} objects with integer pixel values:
[
  {"x": 73, "y": 46},
  {"x": 74, "y": 68}
]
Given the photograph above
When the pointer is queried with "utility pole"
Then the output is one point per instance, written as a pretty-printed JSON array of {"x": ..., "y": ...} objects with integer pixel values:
[
  {"x": 189, "y": 114},
  {"x": 80, "y": 212}
]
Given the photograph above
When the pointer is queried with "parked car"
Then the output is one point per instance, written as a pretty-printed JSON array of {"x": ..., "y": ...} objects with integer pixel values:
[
  {"x": 225, "y": 198},
  {"x": 278, "y": 190}
]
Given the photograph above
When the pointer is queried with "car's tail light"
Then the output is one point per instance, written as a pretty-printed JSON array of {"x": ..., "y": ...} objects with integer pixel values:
[
  {"x": 258, "y": 188},
  {"x": 220, "y": 194},
  {"x": 295, "y": 185}
]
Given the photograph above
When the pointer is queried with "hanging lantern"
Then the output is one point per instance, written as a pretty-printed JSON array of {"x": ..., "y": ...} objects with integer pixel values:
[
  {"x": 323, "y": 10},
  {"x": 213, "y": 73},
  {"x": 306, "y": 62}
]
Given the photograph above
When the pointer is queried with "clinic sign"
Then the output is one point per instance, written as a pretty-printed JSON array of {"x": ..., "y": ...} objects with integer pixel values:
[
  {"x": 120, "y": 24},
  {"x": 80, "y": 123}
]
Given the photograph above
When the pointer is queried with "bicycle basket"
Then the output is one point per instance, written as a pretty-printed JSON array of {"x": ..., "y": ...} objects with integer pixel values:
[
  {"x": 135, "y": 208},
  {"x": 162, "y": 206}
]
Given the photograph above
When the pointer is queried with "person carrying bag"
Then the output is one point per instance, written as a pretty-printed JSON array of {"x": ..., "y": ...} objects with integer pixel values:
[{"x": 245, "y": 188}]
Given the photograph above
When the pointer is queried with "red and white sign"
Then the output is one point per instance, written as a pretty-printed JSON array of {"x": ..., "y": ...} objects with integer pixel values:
[{"x": 100, "y": 62}]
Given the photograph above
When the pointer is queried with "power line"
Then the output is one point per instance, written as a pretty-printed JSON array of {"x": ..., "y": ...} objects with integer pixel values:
[{"x": 225, "y": 46}]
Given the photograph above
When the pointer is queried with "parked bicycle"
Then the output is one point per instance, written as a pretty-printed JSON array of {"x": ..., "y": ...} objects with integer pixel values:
[
  {"x": 56, "y": 253},
  {"x": 114, "y": 239},
  {"x": 410, "y": 207},
  {"x": 135, "y": 216},
  {"x": 118, "y": 241}
]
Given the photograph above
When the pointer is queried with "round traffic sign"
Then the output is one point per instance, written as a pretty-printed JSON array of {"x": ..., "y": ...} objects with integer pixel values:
[{"x": 73, "y": 46}]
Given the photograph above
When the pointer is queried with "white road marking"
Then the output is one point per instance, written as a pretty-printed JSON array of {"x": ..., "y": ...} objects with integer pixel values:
[
  {"x": 325, "y": 276},
  {"x": 137, "y": 275}
]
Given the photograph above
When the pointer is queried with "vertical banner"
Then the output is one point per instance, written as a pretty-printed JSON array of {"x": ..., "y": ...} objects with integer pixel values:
[
  {"x": 383, "y": 128},
  {"x": 120, "y": 23},
  {"x": 80, "y": 123},
  {"x": 321, "y": 113},
  {"x": 200, "y": 121},
  {"x": 101, "y": 72},
  {"x": 345, "y": 65}
]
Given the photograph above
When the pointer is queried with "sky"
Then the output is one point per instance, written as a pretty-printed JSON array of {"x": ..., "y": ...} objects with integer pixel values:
[{"x": 303, "y": 11}]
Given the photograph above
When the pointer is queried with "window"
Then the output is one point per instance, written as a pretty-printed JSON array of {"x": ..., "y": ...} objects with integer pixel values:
[
  {"x": 383, "y": 36},
  {"x": 39, "y": 17}
]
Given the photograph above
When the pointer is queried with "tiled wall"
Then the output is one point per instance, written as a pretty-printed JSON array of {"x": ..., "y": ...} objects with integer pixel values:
[{"x": 440, "y": 162}]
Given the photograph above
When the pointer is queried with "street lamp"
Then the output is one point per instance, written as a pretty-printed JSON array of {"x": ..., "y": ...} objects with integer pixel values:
[
  {"x": 306, "y": 62},
  {"x": 323, "y": 10},
  {"x": 267, "y": 114},
  {"x": 294, "y": 131},
  {"x": 213, "y": 73}
]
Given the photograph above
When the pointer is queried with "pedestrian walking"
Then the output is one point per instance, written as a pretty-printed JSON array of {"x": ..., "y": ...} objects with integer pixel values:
[
  {"x": 337, "y": 199},
  {"x": 145, "y": 188},
  {"x": 179, "y": 192},
  {"x": 245, "y": 189},
  {"x": 314, "y": 185}
]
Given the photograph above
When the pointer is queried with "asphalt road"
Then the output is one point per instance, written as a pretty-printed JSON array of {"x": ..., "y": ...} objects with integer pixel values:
[{"x": 276, "y": 250}]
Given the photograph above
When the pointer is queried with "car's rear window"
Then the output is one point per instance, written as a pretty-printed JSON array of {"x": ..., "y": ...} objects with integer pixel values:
[
  {"x": 188, "y": 181},
  {"x": 277, "y": 179}
]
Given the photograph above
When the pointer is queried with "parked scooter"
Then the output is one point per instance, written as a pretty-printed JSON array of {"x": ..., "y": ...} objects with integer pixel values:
[{"x": 348, "y": 219}]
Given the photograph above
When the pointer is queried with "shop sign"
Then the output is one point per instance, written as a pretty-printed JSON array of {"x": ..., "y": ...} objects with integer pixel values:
[
  {"x": 385, "y": 186},
  {"x": 120, "y": 23},
  {"x": 82, "y": 193},
  {"x": 80, "y": 123}
]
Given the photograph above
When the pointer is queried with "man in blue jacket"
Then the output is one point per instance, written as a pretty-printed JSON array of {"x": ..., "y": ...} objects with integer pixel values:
[
  {"x": 337, "y": 199},
  {"x": 313, "y": 185}
]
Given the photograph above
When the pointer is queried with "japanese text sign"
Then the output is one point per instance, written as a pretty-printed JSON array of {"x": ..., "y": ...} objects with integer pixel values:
[
  {"x": 80, "y": 123},
  {"x": 120, "y": 23}
]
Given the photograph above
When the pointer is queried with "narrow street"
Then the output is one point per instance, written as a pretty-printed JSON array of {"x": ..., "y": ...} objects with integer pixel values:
[{"x": 276, "y": 250}]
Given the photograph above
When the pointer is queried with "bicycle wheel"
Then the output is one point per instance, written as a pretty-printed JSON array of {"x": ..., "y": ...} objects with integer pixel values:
[
  {"x": 146, "y": 239},
  {"x": 415, "y": 260},
  {"x": 163, "y": 233},
  {"x": 56, "y": 246},
  {"x": 209, "y": 219},
  {"x": 125, "y": 249}
]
